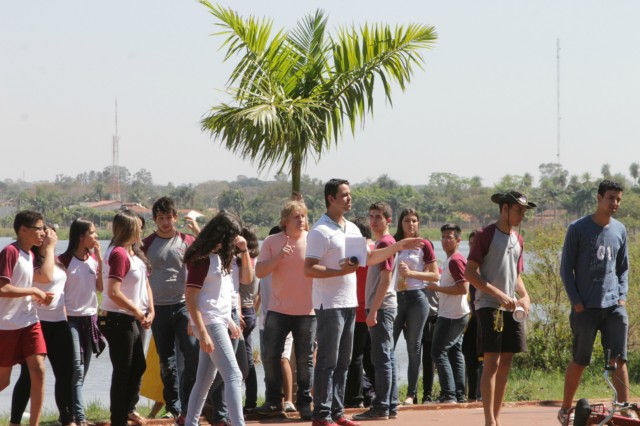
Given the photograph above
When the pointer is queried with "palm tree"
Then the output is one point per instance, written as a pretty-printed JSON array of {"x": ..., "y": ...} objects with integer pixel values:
[{"x": 294, "y": 91}]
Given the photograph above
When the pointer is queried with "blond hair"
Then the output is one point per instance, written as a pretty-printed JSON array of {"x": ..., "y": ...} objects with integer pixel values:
[{"x": 293, "y": 206}]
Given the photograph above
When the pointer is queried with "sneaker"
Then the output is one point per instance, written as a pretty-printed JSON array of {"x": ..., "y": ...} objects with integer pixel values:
[
  {"x": 565, "y": 418},
  {"x": 461, "y": 400},
  {"x": 409, "y": 401},
  {"x": 221, "y": 423},
  {"x": 321, "y": 422},
  {"x": 393, "y": 414},
  {"x": 443, "y": 401},
  {"x": 343, "y": 421},
  {"x": 179, "y": 421},
  {"x": 371, "y": 414},
  {"x": 269, "y": 409},
  {"x": 289, "y": 407},
  {"x": 305, "y": 412},
  {"x": 427, "y": 399}
]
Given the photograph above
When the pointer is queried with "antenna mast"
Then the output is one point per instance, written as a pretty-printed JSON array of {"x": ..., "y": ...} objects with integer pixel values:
[
  {"x": 558, "y": 96},
  {"x": 115, "y": 166}
]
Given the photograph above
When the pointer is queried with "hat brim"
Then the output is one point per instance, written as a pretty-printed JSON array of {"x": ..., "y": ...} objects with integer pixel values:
[{"x": 510, "y": 199}]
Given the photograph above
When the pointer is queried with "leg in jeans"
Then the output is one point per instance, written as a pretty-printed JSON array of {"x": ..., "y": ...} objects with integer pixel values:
[
  {"x": 382, "y": 356},
  {"x": 446, "y": 335},
  {"x": 82, "y": 353},
  {"x": 428, "y": 369},
  {"x": 369, "y": 378},
  {"x": 335, "y": 341},
  {"x": 222, "y": 358},
  {"x": 200, "y": 390},
  {"x": 416, "y": 311},
  {"x": 189, "y": 349},
  {"x": 344, "y": 359},
  {"x": 218, "y": 393},
  {"x": 164, "y": 334},
  {"x": 276, "y": 328},
  {"x": 251, "y": 384},
  {"x": 303, "y": 328},
  {"x": 353, "y": 392}
]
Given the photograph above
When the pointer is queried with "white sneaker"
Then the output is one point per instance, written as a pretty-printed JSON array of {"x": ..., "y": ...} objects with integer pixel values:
[
  {"x": 565, "y": 418},
  {"x": 289, "y": 407}
]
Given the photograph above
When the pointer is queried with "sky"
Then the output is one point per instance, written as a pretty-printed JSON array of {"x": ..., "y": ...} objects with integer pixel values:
[{"x": 485, "y": 104}]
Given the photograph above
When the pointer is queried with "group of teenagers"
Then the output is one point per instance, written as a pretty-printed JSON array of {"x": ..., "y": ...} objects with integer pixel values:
[{"x": 340, "y": 312}]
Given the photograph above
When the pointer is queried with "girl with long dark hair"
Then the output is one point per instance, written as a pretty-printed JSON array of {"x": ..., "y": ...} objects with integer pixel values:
[
  {"x": 208, "y": 293},
  {"x": 83, "y": 263}
]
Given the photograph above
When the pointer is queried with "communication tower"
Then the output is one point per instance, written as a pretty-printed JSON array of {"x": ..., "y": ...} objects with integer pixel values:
[{"x": 115, "y": 166}]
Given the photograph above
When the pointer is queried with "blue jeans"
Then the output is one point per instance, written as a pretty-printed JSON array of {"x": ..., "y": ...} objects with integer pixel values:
[
  {"x": 169, "y": 329},
  {"x": 384, "y": 361},
  {"x": 413, "y": 310},
  {"x": 276, "y": 328},
  {"x": 222, "y": 359},
  {"x": 251, "y": 383},
  {"x": 335, "y": 344},
  {"x": 81, "y": 359},
  {"x": 446, "y": 351}
]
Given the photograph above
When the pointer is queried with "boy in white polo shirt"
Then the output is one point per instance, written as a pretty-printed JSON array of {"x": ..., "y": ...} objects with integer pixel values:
[{"x": 20, "y": 333}]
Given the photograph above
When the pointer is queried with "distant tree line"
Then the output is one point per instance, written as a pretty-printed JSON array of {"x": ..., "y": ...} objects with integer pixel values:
[{"x": 444, "y": 196}]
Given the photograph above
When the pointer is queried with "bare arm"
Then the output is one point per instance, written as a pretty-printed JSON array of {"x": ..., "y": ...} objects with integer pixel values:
[
  {"x": 523, "y": 299},
  {"x": 150, "y": 315},
  {"x": 459, "y": 289},
  {"x": 11, "y": 291},
  {"x": 313, "y": 269},
  {"x": 265, "y": 267},
  {"x": 99, "y": 279},
  {"x": 121, "y": 300},
  {"x": 381, "y": 292},
  {"x": 472, "y": 274},
  {"x": 380, "y": 255},
  {"x": 191, "y": 296},
  {"x": 44, "y": 274},
  {"x": 246, "y": 266},
  {"x": 429, "y": 274}
]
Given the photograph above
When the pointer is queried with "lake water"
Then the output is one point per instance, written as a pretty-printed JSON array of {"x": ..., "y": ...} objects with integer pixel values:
[{"x": 96, "y": 385}]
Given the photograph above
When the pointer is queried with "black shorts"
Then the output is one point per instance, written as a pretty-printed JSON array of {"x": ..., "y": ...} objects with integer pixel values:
[{"x": 511, "y": 338}]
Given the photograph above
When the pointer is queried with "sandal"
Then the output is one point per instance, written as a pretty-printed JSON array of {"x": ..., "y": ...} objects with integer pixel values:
[{"x": 136, "y": 418}]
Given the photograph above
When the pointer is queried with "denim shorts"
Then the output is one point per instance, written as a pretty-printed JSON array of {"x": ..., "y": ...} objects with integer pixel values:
[{"x": 613, "y": 323}]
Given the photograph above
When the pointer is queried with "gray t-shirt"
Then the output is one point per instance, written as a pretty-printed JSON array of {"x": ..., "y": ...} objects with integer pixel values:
[
  {"x": 500, "y": 258},
  {"x": 168, "y": 273},
  {"x": 373, "y": 278}
]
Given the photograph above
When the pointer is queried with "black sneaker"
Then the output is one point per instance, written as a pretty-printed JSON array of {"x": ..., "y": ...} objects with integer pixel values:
[
  {"x": 393, "y": 414},
  {"x": 269, "y": 409},
  {"x": 371, "y": 414},
  {"x": 305, "y": 412}
]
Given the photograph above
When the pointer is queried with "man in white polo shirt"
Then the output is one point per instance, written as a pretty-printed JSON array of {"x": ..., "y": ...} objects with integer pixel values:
[{"x": 335, "y": 299}]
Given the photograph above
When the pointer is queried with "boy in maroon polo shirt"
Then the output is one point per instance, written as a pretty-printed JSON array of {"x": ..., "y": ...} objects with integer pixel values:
[{"x": 20, "y": 333}]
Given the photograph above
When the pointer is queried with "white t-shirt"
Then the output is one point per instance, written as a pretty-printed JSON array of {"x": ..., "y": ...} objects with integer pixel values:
[
  {"x": 326, "y": 242},
  {"x": 131, "y": 271},
  {"x": 55, "y": 310},
  {"x": 216, "y": 287},
  {"x": 16, "y": 266},
  {"x": 453, "y": 306},
  {"x": 80, "y": 297}
]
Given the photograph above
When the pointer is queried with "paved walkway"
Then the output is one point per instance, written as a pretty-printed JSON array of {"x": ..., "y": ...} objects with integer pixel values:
[{"x": 515, "y": 414}]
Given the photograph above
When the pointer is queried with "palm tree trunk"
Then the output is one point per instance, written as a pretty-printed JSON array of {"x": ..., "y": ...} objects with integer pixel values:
[{"x": 296, "y": 168}]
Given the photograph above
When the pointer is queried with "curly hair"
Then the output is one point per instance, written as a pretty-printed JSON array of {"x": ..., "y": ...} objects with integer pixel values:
[{"x": 217, "y": 236}]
